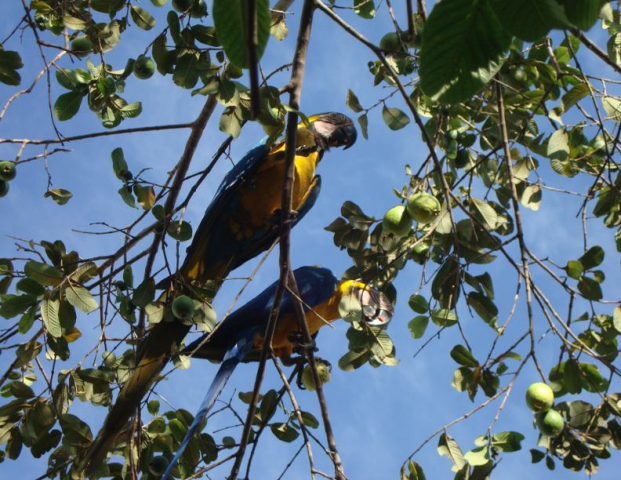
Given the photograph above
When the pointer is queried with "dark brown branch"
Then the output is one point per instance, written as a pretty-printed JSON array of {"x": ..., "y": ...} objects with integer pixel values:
[
  {"x": 104, "y": 133},
  {"x": 595, "y": 49}
]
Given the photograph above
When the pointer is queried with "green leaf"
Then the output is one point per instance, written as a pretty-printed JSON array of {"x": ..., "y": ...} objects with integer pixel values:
[
  {"x": 508, "y": 441},
  {"x": 230, "y": 20},
  {"x": 363, "y": 120},
  {"x": 419, "y": 304},
  {"x": 350, "y": 308},
  {"x": 9, "y": 63},
  {"x": 186, "y": 74},
  {"x": 181, "y": 231},
  {"x": 126, "y": 194},
  {"x": 145, "y": 196},
  {"x": 284, "y": 432},
  {"x": 576, "y": 94},
  {"x": 80, "y": 298},
  {"x": 49, "y": 314},
  {"x": 582, "y": 13},
  {"x": 558, "y": 145},
  {"x": 477, "y": 456},
  {"x": 364, "y": 8},
  {"x": 571, "y": 377},
  {"x": 592, "y": 380},
  {"x": 485, "y": 308},
  {"x": 142, "y": 18},
  {"x": 574, "y": 269},
  {"x": 268, "y": 405},
  {"x": 14, "y": 305},
  {"x": 616, "y": 319},
  {"x": 612, "y": 105},
  {"x": 45, "y": 443},
  {"x": 531, "y": 197},
  {"x": 231, "y": 121},
  {"x": 394, "y": 118},
  {"x": 590, "y": 289},
  {"x": 131, "y": 110},
  {"x": 205, "y": 35},
  {"x": 309, "y": 420},
  {"x": 155, "y": 312},
  {"x": 43, "y": 273},
  {"x": 448, "y": 446},
  {"x": 353, "y": 102},
  {"x": 536, "y": 455},
  {"x": 59, "y": 195},
  {"x": 485, "y": 212},
  {"x": 592, "y": 258},
  {"x": 354, "y": 359},
  {"x": 144, "y": 293},
  {"x": 462, "y": 356},
  {"x": 26, "y": 322},
  {"x": 177, "y": 429},
  {"x": 530, "y": 19},
  {"x": 67, "y": 105},
  {"x": 443, "y": 318},
  {"x": 463, "y": 48},
  {"x": 77, "y": 433}
]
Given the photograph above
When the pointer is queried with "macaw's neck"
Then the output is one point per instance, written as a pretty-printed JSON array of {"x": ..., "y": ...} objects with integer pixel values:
[{"x": 328, "y": 311}]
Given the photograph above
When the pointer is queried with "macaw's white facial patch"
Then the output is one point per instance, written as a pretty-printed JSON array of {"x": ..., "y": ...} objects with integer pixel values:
[{"x": 377, "y": 310}]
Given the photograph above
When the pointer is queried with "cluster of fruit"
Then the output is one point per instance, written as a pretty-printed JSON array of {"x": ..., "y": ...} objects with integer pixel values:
[
  {"x": 7, "y": 173},
  {"x": 422, "y": 207},
  {"x": 540, "y": 398}
]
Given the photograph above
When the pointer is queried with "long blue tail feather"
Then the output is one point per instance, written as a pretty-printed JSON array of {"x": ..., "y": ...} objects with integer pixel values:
[{"x": 232, "y": 358}]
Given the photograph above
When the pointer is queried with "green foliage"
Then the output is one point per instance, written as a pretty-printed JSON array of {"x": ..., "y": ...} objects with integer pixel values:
[
  {"x": 476, "y": 59},
  {"x": 231, "y": 22}
]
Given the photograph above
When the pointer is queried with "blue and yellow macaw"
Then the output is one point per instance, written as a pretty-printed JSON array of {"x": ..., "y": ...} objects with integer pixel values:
[
  {"x": 239, "y": 337},
  {"x": 241, "y": 222}
]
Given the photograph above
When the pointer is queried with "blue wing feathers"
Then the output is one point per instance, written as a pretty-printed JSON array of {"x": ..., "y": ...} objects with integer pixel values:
[
  {"x": 316, "y": 285},
  {"x": 232, "y": 358}
]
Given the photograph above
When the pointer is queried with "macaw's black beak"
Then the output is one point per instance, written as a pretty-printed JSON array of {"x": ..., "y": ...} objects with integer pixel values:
[{"x": 344, "y": 136}]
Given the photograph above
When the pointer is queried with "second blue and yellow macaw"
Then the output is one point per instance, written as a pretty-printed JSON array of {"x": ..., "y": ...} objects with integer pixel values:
[
  {"x": 241, "y": 222},
  {"x": 240, "y": 336}
]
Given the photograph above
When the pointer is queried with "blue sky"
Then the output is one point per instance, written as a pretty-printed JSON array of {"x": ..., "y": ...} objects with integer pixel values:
[{"x": 379, "y": 415}]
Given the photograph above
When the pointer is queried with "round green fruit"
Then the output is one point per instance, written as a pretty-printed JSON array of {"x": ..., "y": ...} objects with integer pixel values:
[
  {"x": 144, "y": 67},
  {"x": 7, "y": 171},
  {"x": 390, "y": 43},
  {"x": 81, "y": 46},
  {"x": 397, "y": 221},
  {"x": 550, "y": 423},
  {"x": 323, "y": 372},
  {"x": 4, "y": 188},
  {"x": 199, "y": 9},
  {"x": 423, "y": 207},
  {"x": 419, "y": 252},
  {"x": 109, "y": 359},
  {"x": 539, "y": 397},
  {"x": 182, "y": 5},
  {"x": 183, "y": 307},
  {"x": 462, "y": 158},
  {"x": 520, "y": 75},
  {"x": 158, "y": 465}
]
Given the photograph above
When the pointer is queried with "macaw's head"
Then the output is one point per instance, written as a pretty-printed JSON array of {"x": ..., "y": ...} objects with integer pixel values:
[
  {"x": 377, "y": 310},
  {"x": 334, "y": 130}
]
